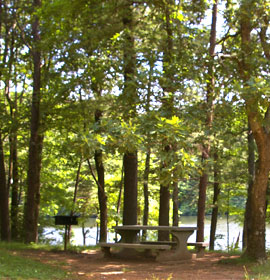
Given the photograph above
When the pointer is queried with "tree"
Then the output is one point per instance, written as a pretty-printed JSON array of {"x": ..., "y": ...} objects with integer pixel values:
[
  {"x": 210, "y": 95},
  {"x": 251, "y": 171},
  {"x": 130, "y": 161},
  {"x": 167, "y": 111},
  {"x": 259, "y": 123},
  {"x": 214, "y": 215},
  {"x": 36, "y": 139},
  {"x": 102, "y": 197},
  {"x": 4, "y": 198}
]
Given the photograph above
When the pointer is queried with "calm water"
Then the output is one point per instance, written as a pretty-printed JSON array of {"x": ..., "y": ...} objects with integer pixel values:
[{"x": 222, "y": 240}]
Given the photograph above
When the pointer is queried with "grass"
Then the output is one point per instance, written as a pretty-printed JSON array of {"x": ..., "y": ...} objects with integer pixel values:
[
  {"x": 258, "y": 271},
  {"x": 261, "y": 271},
  {"x": 15, "y": 267}
]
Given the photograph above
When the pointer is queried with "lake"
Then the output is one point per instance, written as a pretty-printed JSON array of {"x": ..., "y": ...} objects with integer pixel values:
[{"x": 221, "y": 242}]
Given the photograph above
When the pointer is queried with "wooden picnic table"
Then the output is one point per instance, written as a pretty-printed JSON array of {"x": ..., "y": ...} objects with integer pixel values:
[{"x": 176, "y": 250}]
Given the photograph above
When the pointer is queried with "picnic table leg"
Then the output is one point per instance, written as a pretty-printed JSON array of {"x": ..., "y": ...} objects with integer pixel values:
[{"x": 180, "y": 252}]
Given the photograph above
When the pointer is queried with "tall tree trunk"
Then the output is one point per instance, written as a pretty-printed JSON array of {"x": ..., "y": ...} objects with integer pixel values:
[
  {"x": 13, "y": 180},
  {"x": 164, "y": 211},
  {"x": 209, "y": 119},
  {"x": 31, "y": 210},
  {"x": 4, "y": 198},
  {"x": 7, "y": 19},
  {"x": 256, "y": 232},
  {"x": 146, "y": 190},
  {"x": 13, "y": 177},
  {"x": 261, "y": 131},
  {"x": 77, "y": 181},
  {"x": 251, "y": 172},
  {"x": 214, "y": 216},
  {"x": 167, "y": 110},
  {"x": 130, "y": 189},
  {"x": 148, "y": 153},
  {"x": 201, "y": 206},
  {"x": 130, "y": 96},
  {"x": 102, "y": 198},
  {"x": 118, "y": 208},
  {"x": 12, "y": 103},
  {"x": 15, "y": 194},
  {"x": 175, "y": 204}
]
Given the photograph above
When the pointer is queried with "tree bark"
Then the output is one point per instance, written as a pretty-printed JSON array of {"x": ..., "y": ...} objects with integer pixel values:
[
  {"x": 31, "y": 210},
  {"x": 175, "y": 204},
  {"x": 118, "y": 208},
  {"x": 261, "y": 132},
  {"x": 167, "y": 110},
  {"x": 102, "y": 198},
  {"x": 130, "y": 189},
  {"x": 74, "y": 198},
  {"x": 4, "y": 198},
  {"x": 251, "y": 172},
  {"x": 256, "y": 232},
  {"x": 201, "y": 206},
  {"x": 209, "y": 119},
  {"x": 214, "y": 216},
  {"x": 164, "y": 211},
  {"x": 130, "y": 101},
  {"x": 148, "y": 153},
  {"x": 13, "y": 181},
  {"x": 7, "y": 20},
  {"x": 15, "y": 194},
  {"x": 146, "y": 190}
]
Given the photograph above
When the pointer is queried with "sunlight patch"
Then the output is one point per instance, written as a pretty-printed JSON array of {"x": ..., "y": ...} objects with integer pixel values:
[{"x": 112, "y": 272}]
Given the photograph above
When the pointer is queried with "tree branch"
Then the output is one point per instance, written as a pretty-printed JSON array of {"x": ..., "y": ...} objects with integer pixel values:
[{"x": 94, "y": 176}]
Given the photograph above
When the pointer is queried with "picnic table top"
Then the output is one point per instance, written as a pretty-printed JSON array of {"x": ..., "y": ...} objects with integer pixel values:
[{"x": 160, "y": 228}]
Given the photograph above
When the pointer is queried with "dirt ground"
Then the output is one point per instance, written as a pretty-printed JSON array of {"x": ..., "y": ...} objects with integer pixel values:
[{"x": 92, "y": 265}]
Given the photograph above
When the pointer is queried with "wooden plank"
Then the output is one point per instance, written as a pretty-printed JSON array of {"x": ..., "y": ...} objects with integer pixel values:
[{"x": 135, "y": 245}]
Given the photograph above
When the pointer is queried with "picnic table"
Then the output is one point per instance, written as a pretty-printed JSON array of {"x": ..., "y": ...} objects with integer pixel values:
[{"x": 167, "y": 250}]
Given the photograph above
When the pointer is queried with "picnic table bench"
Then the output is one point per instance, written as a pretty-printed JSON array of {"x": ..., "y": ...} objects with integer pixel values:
[{"x": 166, "y": 250}]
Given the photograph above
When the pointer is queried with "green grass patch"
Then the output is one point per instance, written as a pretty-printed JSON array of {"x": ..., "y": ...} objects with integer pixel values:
[
  {"x": 15, "y": 267},
  {"x": 237, "y": 261},
  {"x": 54, "y": 248},
  {"x": 260, "y": 271},
  {"x": 21, "y": 246}
]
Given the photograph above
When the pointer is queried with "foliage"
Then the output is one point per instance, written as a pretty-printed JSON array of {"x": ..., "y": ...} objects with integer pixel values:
[{"x": 82, "y": 71}]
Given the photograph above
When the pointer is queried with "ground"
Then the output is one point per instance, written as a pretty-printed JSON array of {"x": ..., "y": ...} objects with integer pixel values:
[{"x": 92, "y": 265}]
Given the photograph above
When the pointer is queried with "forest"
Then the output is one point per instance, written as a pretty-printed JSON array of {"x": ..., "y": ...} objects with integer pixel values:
[{"x": 136, "y": 111}]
